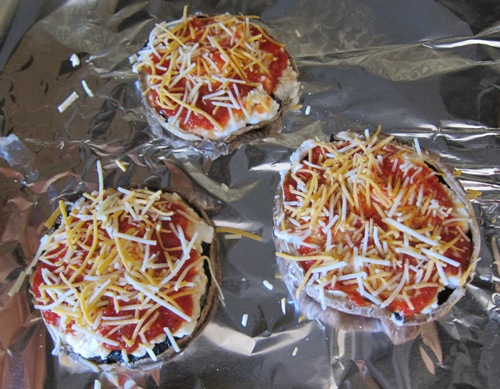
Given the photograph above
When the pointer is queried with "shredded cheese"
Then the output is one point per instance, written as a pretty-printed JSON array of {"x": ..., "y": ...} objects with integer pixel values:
[
  {"x": 120, "y": 165},
  {"x": 193, "y": 67},
  {"x": 268, "y": 285},
  {"x": 87, "y": 89},
  {"x": 75, "y": 60},
  {"x": 17, "y": 284},
  {"x": 244, "y": 319},
  {"x": 237, "y": 231},
  {"x": 91, "y": 365},
  {"x": 172, "y": 340},
  {"x": 368, "y": 214},
  {"x": 68, "y": 101},
  {"x": 283, "y": 305},
  {"x": 121, "y": 258}
]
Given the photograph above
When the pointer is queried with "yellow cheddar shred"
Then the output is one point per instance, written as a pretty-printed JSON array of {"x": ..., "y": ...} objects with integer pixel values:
[{"x": 237, "y": 231}]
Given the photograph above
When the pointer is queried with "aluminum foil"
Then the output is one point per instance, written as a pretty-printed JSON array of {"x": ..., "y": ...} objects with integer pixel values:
[{"x": 428, "y": 70}]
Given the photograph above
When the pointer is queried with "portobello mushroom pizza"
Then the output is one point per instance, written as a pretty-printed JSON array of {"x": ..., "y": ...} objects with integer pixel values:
[
  {"x": 213, "y": 78},
  {"x": 372, "y": 226},
  {"x": 126, "y": 277}
]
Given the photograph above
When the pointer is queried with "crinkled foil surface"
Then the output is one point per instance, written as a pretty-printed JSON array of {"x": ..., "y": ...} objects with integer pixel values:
[{"x": 425, "y": 69}]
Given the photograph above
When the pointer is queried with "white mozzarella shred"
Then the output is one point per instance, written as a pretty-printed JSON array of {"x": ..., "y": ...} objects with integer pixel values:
[
  {"x": 137, "y": 239},
  {"x": 364, "y": 244},
  {"x": 151, "y": 354},
  {"x": 412, "y": 253},
  {"x": 417, "y": 147},
  {"x": 363, "y": 292},
  {"x": 99, "y": 290},
  {"x": 214, "y": 94},
  {"x": 68, "y": 101},
  {"x": 344, "y": 208},
  {"x": 321, "y": 289},
  {"x": 418, "y": 276},
  {"x": 100, "y": 176},
  {"x": 283, "y": 305},
  {"x": 56, "y": 303},
  {"x": 410, "y": 231},
  {"x": 88, "y": 91},
  {"x": 441, "y": 257},
  {"x": 442, "y": 274},
  {"x": 376, "y": 240},
  {"x": 375, "y": 261},
  {"x": 397, "y": 200},
  {"x": 352, "y": 276},
  {"x": 267, "y": 284},
  {"x": 172, "y": 340},
  {"x": 75, "y": 60},
  {"x": 395, "y": 165},
  {"x": 456, "y": 220},
  {"x": 244, "y": 319},
  {"x": 420, "y": 196}
]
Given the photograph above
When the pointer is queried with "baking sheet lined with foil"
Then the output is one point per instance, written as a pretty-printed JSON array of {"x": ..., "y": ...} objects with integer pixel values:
[{"x": 428, "y": 70}]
